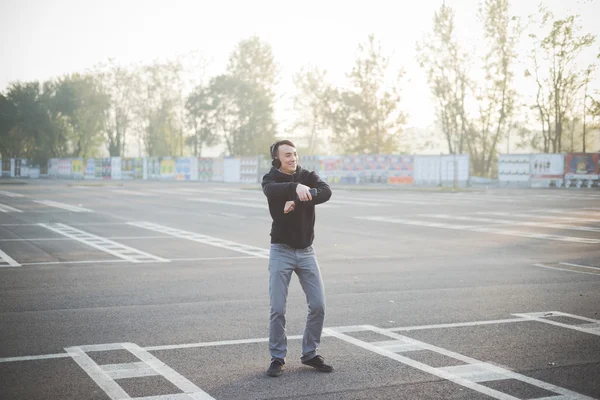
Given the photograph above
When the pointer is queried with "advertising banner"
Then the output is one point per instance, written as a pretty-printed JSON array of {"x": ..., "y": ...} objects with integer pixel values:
[
  {"x": 115, "y": 168},
  {"x": 183, "y": 169},
  {"x": 427, "y": 170},
  {"x": 205, "y": 169},
  {"x": 90, "y": 169},
  {"x": 401, "y": 170},
  {"x": 52, "y": 168},
  {"x": 77, "y": 168},
  {"x": 131, "y": 168},
  {"x": 547, "y": 168},
  {"x": 581, "y": 166},
  {"x": 64, "y": 168},
  {"x": 514, "y": 168},
  {"x": 167, "y": 168},
  {"x": 106, "y": 168}
]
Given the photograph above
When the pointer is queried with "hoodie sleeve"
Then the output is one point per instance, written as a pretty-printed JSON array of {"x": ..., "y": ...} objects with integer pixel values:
[
  {"x": 322, "y": 188},
  {"x": 278, "y": 190}
]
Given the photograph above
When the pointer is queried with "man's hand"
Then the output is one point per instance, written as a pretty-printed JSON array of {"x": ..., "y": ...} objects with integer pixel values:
[
  {"x": 289, "y": 207},
  {"x": 303, "y": 192}
]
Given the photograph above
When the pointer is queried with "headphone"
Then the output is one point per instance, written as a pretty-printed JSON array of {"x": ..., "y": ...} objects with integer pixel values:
[{"x": 276, "y": 162}]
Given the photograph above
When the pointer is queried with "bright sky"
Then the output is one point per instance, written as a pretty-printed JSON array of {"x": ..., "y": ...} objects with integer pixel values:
[{"x": 47, "y": 38}]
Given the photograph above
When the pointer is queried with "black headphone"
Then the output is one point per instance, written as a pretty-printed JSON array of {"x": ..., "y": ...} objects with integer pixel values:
[{"x": 276, "y": 162}]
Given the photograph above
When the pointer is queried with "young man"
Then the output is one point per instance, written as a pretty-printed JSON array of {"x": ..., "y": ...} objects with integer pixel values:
[{"x": 292, "y": 194}]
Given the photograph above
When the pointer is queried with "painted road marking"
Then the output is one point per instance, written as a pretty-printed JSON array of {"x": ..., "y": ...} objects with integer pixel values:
[
  {"x": 513, "y": 222},
  {"x": 457, "y": 325},
  {"x": 5, "y": 209},
  {"x": 7, "y": 261},
  {"x": 341, "y": 329},
  {"x": 478, "y": 371},
  {"x": 105, "y": 375},
  {"x": 506, "y": 214},
  {"x": 210, "y": 240},
  {"x": 131, "y": 192},
  {"x": 579, "y": 265},
  {"x": 591, "y": 326},
  {"x": 64, "y": 206},
  {"x": 558, "y": 211},
  {"x": 498, "y": 231},
  {"x": 106, "y": 245},
  {"x": 10, "y": 194},
  {"x": 420, "y": 366},
  {"x": 129, "y": 370},
  {"x": 231, "y": 203},
  {"x": 108, "y": 385},
  {"x": 43, "y": 239},
  {"x": 191, "y": 390},
  {"x": 592, "y": 271},
  {"x": 394, "y": 201}
]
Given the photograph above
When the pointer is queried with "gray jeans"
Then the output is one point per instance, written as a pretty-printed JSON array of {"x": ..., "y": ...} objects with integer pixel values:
[{"x": 284, "y": 260}]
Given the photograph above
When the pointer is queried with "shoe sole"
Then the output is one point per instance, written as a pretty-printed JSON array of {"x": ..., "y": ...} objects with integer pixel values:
[{"x": 319, "y": 369}]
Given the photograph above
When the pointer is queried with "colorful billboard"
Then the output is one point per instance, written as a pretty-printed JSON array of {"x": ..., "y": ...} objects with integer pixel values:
[{"x": 581, "y": 166}]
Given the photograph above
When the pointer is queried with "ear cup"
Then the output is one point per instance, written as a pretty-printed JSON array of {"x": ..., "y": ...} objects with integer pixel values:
[{"x": 276, "y": 163}]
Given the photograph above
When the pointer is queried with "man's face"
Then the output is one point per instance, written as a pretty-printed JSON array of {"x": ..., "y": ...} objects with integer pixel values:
[{"x": 288, "y": 157}]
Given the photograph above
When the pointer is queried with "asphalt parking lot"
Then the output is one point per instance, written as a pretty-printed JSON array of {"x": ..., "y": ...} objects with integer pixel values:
[{"x": 159, "y": 290}]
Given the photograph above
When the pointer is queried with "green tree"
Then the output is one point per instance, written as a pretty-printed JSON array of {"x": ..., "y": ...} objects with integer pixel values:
[
  {"x": 83, "y": 103},
  {"x": 242, "y": 116},
  {"x": 446, "y": 66},
  {"x": 366, "y": 118},
  {"x": 312, "y": 104},
  {"x": 252, "y": 61},
  {"x": 157, "y": 108},
  {"x": 495, "y": 96},
  {"x": 201, "y": 119},
  {"x": 33, "y": 123},
  {"x": 243, "y": 99},
  {"x": 122, "y": 86},
  {"x": 557, "y": 75}
]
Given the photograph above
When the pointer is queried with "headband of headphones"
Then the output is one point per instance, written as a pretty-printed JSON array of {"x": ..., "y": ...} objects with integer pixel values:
[{"x": 274, "y": 147}]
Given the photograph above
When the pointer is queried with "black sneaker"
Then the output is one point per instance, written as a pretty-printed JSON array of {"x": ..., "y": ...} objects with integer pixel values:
[
  {"x": 275, "y": 368},
  {"x": 318, "y": 363}
]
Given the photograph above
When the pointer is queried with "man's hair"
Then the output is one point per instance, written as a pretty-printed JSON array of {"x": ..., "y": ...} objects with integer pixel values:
[{"x": 275, "y": 148}]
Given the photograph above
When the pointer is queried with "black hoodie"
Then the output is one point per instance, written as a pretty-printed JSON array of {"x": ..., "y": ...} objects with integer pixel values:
[{"x": 296, "y": 228}]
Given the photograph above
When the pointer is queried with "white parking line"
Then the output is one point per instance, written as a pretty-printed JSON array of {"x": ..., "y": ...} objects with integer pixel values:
[
  {"x": 64, "y": 206},
  {"x": 132, "y": 192},
  {"x": 10, "y": 194},
  {"x": 105, "y": 382},
  {"x": 477, "y": 371},
  {"x": 564, "y": 211},
  {"x": 591, "y": 326},
  {"x": 579, "y": 265},
  {"x": 230, "y": 203},
  {"x": 5, "y": 209},
  {"x": 565, "y": 269},
  {"x": 513, "y": 222},
  {"x": 106, "y": 245},
  {"x": 7, "y": 261},
  {"x": 421, "y": 366},
  {"x": 50, "y": 239},
  {"x": 149, "y": 365},
  {"x": 187, "y": 387},
  {"x": 205, "y": 239},
  {"x": 340, "y": 329},
  {"x": 506, "y": 214},
  {"x": 469, "y": 228}
]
